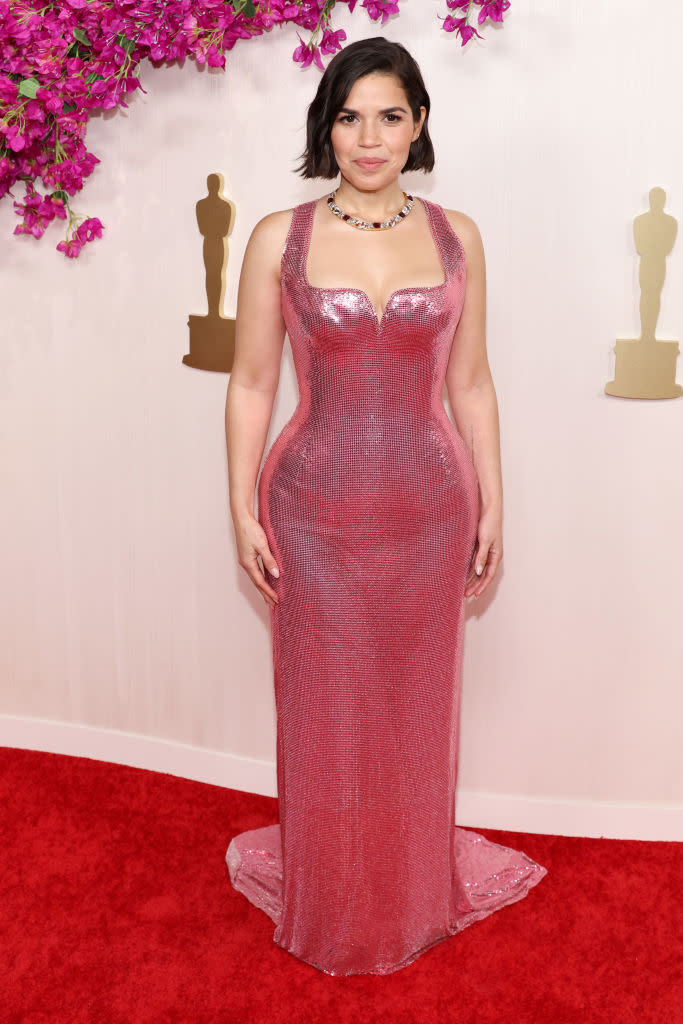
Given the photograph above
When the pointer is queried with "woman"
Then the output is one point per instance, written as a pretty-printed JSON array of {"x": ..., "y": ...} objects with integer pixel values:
[{"x": 376, "y": 519}]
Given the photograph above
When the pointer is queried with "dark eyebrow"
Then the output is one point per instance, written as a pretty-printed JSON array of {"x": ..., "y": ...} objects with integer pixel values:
[{"x": 387, "y": 110}]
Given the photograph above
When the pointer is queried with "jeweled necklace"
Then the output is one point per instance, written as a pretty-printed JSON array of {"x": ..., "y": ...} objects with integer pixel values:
[{"x": 371, "y": 225}]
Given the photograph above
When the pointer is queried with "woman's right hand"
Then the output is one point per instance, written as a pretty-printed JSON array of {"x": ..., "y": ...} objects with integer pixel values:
[{"x": 252, "y": 542}]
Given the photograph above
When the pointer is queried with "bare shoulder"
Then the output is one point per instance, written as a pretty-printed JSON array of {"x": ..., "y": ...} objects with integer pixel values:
[
  {"x": 273, "y": 227},
  {"x": 467, "y": 231},
  {"x": 267, "y": 239}
]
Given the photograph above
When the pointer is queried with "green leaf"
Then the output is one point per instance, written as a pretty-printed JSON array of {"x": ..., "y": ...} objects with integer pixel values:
[
  {"x": 81, "y": 36},
  {"x": 126, "y": 44},
  {"x": 245, "y": 7},
  {"x": 28, "y": 87}
]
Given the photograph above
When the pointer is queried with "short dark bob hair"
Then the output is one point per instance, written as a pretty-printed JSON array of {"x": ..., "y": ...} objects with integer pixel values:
[{"x": 375, "y": 54}]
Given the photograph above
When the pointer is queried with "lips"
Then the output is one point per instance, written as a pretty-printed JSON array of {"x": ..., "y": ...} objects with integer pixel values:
[{"x": 369, "y": 163}]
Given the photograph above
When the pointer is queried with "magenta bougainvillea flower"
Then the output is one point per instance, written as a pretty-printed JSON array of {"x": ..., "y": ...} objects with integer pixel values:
[{"x": 60, "y": 61}]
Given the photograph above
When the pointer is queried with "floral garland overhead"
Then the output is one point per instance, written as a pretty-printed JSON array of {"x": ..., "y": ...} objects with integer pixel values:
[{"x": 60, "y": 61}]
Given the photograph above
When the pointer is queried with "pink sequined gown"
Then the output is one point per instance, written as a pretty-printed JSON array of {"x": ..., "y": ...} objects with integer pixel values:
[{"x": 369, "y": 499}]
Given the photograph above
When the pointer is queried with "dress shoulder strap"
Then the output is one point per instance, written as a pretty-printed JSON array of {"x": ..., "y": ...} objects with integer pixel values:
[
  {"x": 295, "y": 249},
  {"x": 451, "y": 248}
]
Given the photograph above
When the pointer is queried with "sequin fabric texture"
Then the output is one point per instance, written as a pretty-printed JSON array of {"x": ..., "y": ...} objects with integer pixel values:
[{"x": 370, "y": 502}]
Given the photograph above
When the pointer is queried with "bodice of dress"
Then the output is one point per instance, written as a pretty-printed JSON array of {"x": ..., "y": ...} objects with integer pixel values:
[
  {"x": 371, "y": 388},
  {"x": 417, "y": 323}
]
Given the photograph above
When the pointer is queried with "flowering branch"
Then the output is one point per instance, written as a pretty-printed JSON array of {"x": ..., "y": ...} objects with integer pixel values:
[{"x": 59, "y": 61}]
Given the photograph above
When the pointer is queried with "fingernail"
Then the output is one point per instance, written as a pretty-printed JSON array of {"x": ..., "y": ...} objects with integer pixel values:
[
  {"x": 480, "y": 569},
  {"x": 275, "y": 572}
]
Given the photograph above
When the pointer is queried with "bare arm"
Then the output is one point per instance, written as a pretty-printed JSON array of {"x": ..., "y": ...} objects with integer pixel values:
[
  {"x": 259, "y": 339},
  {"x": 475, "y": 408}
]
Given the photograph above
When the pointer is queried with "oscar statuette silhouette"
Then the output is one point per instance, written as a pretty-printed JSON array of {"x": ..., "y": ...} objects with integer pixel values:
[
  {"x": 646, "y": 367},
  {"x": 212, "y": 337}
]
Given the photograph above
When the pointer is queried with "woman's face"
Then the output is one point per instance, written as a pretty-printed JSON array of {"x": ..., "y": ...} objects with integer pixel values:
[{"x": 374, "y": 124}]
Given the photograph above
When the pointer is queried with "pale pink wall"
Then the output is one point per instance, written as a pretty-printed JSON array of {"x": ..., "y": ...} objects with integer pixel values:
[{"x": 123, "y": 605}]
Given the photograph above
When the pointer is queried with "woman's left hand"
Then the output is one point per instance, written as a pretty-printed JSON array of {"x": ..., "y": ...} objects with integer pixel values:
[{"x": 488, "y": 552}]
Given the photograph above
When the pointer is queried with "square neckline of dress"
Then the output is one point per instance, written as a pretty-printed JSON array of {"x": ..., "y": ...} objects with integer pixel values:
[{"x": 379, "y": 321}]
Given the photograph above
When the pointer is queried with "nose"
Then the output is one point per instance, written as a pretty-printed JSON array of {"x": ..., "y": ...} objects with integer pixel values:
[{"x": 368, "y": 133}]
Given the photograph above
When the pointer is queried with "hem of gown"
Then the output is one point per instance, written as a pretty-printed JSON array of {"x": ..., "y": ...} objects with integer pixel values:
[{"x": 537, "y": 873}]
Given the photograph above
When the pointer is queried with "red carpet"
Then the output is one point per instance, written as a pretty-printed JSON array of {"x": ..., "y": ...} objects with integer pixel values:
[{"x": 116, "y": 908}]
